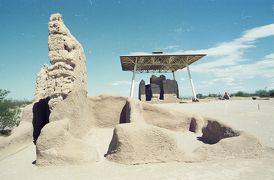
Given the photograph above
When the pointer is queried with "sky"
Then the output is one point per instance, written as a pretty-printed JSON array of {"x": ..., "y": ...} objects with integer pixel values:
[{"x": 236, "y": 35}]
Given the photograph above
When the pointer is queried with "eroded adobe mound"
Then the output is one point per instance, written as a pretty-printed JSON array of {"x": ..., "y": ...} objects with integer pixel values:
[
  {"x": 140, "y": 142},
  {"x": 136, "y": 144},
  {"x": 56, "y": 145}
]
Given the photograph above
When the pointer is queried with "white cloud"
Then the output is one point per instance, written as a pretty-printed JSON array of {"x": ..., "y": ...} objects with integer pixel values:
[
  {"x": 170, "y": 47},
  {"x": 119, "y": 83},
  {"x": 231, "y": 53},
  {"x": 90, "y": 3},
  {"x": 270, "y": 56},
  {"x": 263, "y": 67},
  {"x": 233, "y": 77},
  {"x": 234, "y": 49},
  {"x": 244, "y": 16},
  {"x": 180, "y": 29},
  {"x": 257, "y": 33},
  {"x": 227, "y": 62},
  {"x": 271, "y": 86},
  {"x": 167, "y": 48},
  {"x": 238, "y": 88},
  {"x": 225, "y": 80},
  {"x": 139, "y": 53}
]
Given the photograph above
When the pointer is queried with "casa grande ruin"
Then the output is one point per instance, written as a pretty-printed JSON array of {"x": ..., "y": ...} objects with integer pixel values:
[{"x": 63, "y": 120}]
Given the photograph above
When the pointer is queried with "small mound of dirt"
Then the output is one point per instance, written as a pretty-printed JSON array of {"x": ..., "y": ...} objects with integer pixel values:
[{"x": 139, "y": 144}]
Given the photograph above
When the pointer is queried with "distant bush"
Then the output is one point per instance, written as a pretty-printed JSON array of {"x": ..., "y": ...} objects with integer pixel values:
[
  {"x": 271, "y": 93},
  {"x": 200, "y": 96},
  {"x": 213, "y": 95},
  {"x": 260, "y": 93},
  {"x": 9, "y": 113},
  {"x": 242, "y": 94},
  {"x": 20, "y": 103}
]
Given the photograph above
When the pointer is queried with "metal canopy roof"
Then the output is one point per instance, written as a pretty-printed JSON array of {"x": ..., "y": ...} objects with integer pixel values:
[{"x": 158, "y": 62}]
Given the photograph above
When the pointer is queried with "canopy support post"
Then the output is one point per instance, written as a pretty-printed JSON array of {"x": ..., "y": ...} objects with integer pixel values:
[
  {"x": 191, "y": 83},
  {"x": 133, "y": 79},
  {"x": 173, "y": 73}
]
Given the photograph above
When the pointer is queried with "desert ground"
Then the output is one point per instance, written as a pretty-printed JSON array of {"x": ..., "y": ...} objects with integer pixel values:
[{"x": 255, "y": 117}]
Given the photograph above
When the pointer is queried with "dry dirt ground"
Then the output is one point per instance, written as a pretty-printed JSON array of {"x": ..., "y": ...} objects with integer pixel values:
[{"x": 256, "y": 117}]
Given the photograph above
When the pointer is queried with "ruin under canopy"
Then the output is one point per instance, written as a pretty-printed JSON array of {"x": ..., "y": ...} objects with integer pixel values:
[
  {"x": 159, "y": 89},
  {"x": 158, "y": 62}
]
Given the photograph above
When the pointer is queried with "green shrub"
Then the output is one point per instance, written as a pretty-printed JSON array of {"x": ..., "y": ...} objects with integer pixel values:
[
  {"x": 200, "y": 96},
  {"x": 9, "y": 113},
  {"x": 213, "y": 95},
  {"x": 262, "y": 93},
  {"x": 241, "y": 94},
  {"x": 271, "y": 93}
]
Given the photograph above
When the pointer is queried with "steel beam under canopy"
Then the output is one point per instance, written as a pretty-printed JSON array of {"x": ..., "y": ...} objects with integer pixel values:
[{"x": 158, "y": 62}]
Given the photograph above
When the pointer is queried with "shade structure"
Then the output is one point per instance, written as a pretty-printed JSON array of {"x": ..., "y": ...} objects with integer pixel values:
[{"x": 158, "y": 62}]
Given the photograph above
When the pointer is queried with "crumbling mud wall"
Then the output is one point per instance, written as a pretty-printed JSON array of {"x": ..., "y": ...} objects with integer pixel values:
[
  {"x": 67, "y": 69},
  {"x": 64, "y": 83}
]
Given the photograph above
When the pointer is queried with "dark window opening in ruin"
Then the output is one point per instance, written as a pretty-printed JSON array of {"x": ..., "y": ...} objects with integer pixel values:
[
  {"x": 41, "y": 114},
  {"x": 148, "y": 93},
  {"x": 214, "y": 132},
  {"x": 193, "y": 125}
]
